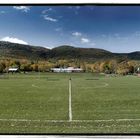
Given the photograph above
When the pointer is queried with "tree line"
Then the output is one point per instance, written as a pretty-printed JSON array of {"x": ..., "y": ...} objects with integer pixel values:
[{"x": 103, "y": 66}]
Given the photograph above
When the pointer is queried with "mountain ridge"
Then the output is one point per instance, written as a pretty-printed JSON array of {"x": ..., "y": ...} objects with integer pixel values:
[{"x": 20, "y": 51}]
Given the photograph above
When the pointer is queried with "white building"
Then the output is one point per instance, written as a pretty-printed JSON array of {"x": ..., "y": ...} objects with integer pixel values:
[
  {"x": 69, "y": 69},
  {"x": 12, "y": 69}
]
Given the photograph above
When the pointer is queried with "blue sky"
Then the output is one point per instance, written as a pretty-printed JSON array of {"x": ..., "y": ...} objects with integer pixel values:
[{"x": 113, "y": 28}]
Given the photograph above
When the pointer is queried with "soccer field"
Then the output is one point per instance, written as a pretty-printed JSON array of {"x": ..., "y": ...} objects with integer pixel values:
[{"x": 51, "y": 103}]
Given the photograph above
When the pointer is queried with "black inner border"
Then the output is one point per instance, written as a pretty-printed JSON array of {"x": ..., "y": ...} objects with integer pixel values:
[{"x": 98, "y": 135}]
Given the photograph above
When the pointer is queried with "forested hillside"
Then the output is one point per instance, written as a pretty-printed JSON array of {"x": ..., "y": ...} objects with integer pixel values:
[{"x": 34, "y": 58}]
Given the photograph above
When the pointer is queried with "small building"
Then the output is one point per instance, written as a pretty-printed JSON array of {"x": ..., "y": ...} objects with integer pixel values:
[
  {"x": 13, "y": 70},
  {"x": 138, "y": 69},
  {"x": 68, "y": 70}
]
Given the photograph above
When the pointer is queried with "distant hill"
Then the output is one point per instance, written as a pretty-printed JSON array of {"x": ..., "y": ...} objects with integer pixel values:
[
  {"x": 82, "y": 53},
  {"x": 134, "y": 55},
  {"x": 14, "y": 50},
  {"x": 19, "y": 51}
]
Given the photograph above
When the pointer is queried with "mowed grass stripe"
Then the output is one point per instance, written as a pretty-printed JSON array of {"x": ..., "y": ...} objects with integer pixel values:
[
  {"x": 106, "y": 103},
  {"x": 20, "y": 99}
]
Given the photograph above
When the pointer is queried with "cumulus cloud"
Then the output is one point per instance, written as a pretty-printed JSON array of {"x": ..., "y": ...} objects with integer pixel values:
[
  {"x": 85, "y": 40},
  {"x": 13, "y": 40},
  {"x": 22, "y": 8},
  {"x": 77, "y": 34},
  {"x": 46, "y": 17}
]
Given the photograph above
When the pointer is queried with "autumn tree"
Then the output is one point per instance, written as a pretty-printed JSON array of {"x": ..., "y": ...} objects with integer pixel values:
[{"x": 1, "y": 67}]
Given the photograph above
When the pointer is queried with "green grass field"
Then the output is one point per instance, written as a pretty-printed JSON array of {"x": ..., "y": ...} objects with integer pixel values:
[{"x": 33, "y": 103}]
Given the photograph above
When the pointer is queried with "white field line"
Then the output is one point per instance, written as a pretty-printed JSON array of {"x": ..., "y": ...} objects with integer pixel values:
[
  {"x": 70, "y": 107},
  {"x": 100, "y": 86},
  {"x": 64, "y": 121},
  {"x": 34, "y": 86}
]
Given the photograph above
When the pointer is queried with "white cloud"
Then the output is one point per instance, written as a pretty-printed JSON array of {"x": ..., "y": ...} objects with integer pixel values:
[
  {"x": 77, "y": 34},
  {"x": 46, "y": 17},
  {"x": 14, "y": 40},
  {"x": 85, "y": 40},
  {"x": 22, "y": 8},
  {"x": 45, "y": 11}
]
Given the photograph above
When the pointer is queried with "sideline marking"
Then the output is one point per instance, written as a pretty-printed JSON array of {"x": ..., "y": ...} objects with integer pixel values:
[
  {"x": 57, "y": 121},
  {"x": 70, "y": 107}
]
